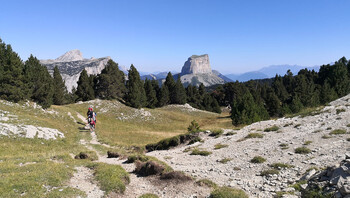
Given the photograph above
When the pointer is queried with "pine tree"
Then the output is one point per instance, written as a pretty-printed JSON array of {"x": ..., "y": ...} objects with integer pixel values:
[
  {"x": 273, "y": 104},
  {"x": 171, "y": 85},
  {"x": 296, "y": 104},
  {"x": 151, "y": 94},
  {"x": 201, "y": 89},
  {"x": 215, "y": 106},
  {"x": 244, "y": 110},
  {"x": 60, "y": 90},
  {"x": 111, "y": 82},
  {"x": 327, "y": 93},
  {"x": 206, "y": 103},
  {"x": 279, "y": 88},
  {"x": 12, "y": 83},
  {"x": 136, "y": 96},
  {"x": 155, "y": 85},
  {"x": 179, "y": 93},
  {"x": 340, "y": 80},
  {"x": 164, "y": 98},
  {"x": 85, "y": 90},
  {"x": 41, "y": 82}
]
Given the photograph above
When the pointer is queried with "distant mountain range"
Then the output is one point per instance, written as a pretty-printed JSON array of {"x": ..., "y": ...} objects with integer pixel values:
[{"x": 269, "y": 72}]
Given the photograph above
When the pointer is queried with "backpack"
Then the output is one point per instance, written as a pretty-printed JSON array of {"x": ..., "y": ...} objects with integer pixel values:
[{"x": 94, "y": 117}]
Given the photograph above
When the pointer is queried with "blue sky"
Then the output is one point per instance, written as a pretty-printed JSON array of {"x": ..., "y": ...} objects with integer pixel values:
[{"x": 159, "y": 35}]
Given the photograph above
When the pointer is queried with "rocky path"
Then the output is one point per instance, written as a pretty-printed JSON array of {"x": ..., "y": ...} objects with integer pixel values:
[
  {"x": 311, "y": 131},
  {"x": 83, "y": 180}
]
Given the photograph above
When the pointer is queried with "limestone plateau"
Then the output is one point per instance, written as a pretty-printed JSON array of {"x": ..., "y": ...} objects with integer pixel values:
[{"x": 72, "y": 63}]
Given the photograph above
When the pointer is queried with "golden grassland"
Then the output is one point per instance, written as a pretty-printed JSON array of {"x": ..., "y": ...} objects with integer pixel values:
[
  {"x": 42, "y": 168},
  {"x": 120, "y": 126}
]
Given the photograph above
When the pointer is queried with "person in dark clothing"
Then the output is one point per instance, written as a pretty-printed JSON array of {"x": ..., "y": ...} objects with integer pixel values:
[{"x": 91, "y": 119}]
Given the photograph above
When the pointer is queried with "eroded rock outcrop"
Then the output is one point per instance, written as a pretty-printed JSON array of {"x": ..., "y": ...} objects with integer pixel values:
[{"x": 333, "y": 180}]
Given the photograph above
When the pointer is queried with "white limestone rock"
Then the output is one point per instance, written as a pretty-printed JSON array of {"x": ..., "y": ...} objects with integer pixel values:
[
  {"x": 197, "y": 65},
  {"x": 73, "y": 55}
]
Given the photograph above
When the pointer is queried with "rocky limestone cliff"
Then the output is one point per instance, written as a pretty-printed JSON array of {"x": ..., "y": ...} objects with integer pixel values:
[
  {"x": 197, "y": 65},
  {"x": 72, "y": 63},
  {"x": 197, "y": 70}
]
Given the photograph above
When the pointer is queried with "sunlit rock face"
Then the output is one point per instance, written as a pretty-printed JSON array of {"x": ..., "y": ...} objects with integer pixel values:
[{"x": 197, "y": 65}]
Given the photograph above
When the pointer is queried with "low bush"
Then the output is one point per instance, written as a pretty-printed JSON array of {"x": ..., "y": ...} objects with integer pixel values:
[
  {"x": 236, "y": 168},
  {"x": 112, "y": 178},
  {"x": 297, "y": 186},
  {"x": 269, "y": 172},
  {"x": 254, "y": 135},
  {"x": 206, "y": 182},
  {"x": 225, "y": 160},
  {"x": 340, "y": 110},
  {"x": 112, "y": 154},
  {"x": 175, "y": 175},
  {"x": 200, "y": 152},
  {"x": 219, "y": 146},
  {"x": 348, "y": 125},
  {"x": 297, "y": 125},
  {"x": 284, "y": 146},
  {"x": 311, "y": 168},
  {"x": 91, "y": 155},
  {"x": 167, "y": 143},
  {"x": 288, "y": 124},
  {"x": 273, "y": 128},
  {"x": 133, "y": 158},
  {"x": 230, "y": 133},
  {"x": 326, "y": 137},
  {"x": 194, "y": 140},
  {"x": 337, "y": 132},
  {"x": 302, "y": 150},
  {"x": 148, "y": 168},
  {"x": 193, "y": 127},
  {"x": 348, "y": 139},
  {"x": 281, "y": 165},
  {"x": 307, "y": 143},
  {"x": 226, "y": 192},
  {"x": 216, "y": 133},
  {"x": 149, "y": 195},
  {"x": 258, "y": 160}
]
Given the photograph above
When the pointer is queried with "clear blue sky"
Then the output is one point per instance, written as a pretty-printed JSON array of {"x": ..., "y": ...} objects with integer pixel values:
[{"x": 159, "y": 35}]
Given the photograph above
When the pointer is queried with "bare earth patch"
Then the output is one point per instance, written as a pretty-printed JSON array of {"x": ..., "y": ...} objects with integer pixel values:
[{"x": 83, "y": 180}]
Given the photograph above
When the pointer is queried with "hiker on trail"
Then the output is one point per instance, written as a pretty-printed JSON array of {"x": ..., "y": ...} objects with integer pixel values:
[{"x": 91, "y": 118}]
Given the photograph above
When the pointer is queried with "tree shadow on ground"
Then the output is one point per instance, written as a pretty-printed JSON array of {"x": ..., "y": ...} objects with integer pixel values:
[{"x": 223, "y": 117}]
